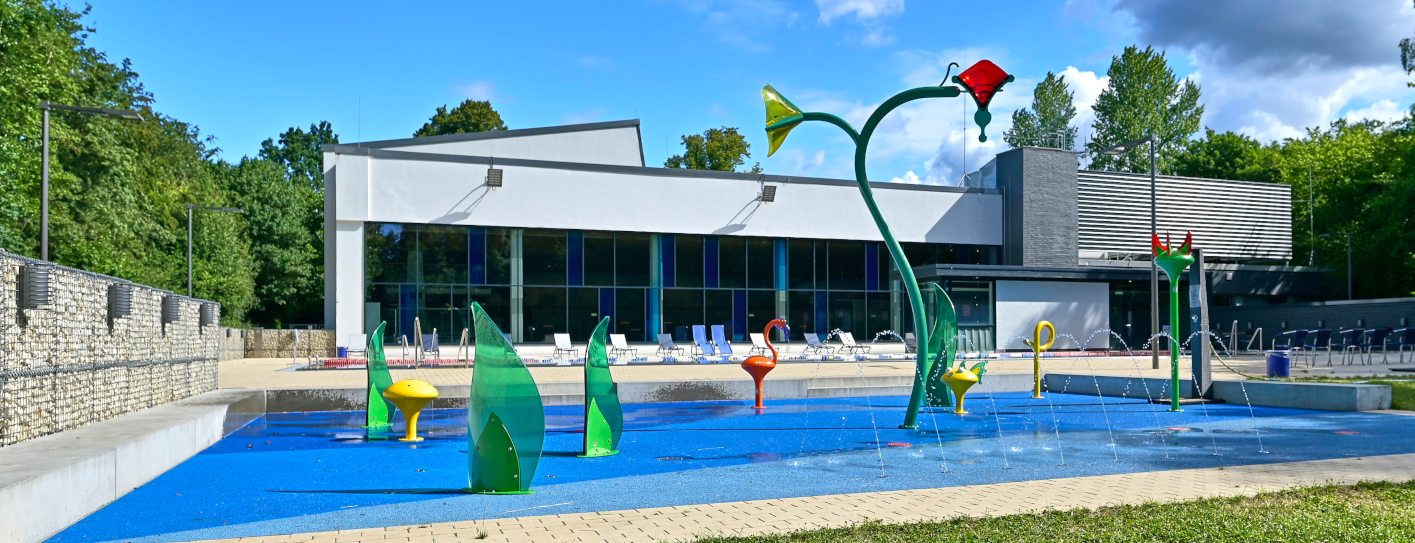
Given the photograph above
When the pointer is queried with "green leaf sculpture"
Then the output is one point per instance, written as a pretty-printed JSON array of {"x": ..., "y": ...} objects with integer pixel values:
[
  {"x": 380, "y": 409},
  {"x": 505, "y": 417},
  {"x": 944, "y": 341},
  {"x": 604, "y": 417}
]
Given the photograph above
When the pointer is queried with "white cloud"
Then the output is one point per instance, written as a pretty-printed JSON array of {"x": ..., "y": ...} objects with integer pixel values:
[
  {"x": 1305, "y": 65},
  {"x": 1087, "y": 87},
  {"x": 909, "y": 177},
  {"x": 741, "y": 24},
  {"x": 863, "y": 10},
  {"x": 1384, "y": 110},
  {"x": 479, "y": 90},
  {"x": 868, "y": 13},
  {"x": 586, "y": 117}
]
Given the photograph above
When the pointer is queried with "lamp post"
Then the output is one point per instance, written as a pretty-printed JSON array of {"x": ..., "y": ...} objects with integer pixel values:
[
  {"x": 1348, "y": 258},
  {"x": 190, "y": 207},
  {"x": 1121, "y": 149},
  {"x": 45, "y": 106}
]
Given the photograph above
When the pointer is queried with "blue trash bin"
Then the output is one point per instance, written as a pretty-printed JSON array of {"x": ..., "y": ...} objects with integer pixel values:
[
  {"x": 1279, "y": 363},
  {"x": 341, "y": 352}
]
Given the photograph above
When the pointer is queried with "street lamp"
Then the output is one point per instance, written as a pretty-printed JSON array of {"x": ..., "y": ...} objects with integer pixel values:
[
  {"x": 1348, "y": 258},
  {"x": 45, "y": 106},
  {"x": 190, "y": 207},
  {"x": 1121, "y": 149}
]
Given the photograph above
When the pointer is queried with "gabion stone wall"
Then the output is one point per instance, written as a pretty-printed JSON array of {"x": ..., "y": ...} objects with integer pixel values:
[
  {"x": 262, "y": 343},
  {"x": 67, "y": 364}
]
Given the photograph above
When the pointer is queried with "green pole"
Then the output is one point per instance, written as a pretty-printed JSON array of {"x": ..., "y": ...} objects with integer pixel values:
[{"x": 1174, "y": 345}]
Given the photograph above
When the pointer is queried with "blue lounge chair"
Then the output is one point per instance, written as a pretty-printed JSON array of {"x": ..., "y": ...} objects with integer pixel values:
[
  {"x": 719, "y": 340},
  {"x": 701, "y": 345}
]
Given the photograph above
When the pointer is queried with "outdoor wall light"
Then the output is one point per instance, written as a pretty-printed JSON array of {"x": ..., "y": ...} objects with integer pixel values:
[
  {"x": 171, "y": 309},
  {"x": 120, "y": 301},
  {"x": 768, "y": 193},
  {"x": 208, "y": 313},
  {"x": 35, "y": 286}
]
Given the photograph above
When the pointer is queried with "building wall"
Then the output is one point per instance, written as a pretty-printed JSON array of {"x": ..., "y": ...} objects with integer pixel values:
[
  {"x": 391, "y": 186},
  {"x": 1074, "y": 308},
  {"x": 64, "y": 365},
  {"x": 1040, "y": 219},
  {"x": 1230, "y": 219},
  {"x": 1334, "y": 315}
]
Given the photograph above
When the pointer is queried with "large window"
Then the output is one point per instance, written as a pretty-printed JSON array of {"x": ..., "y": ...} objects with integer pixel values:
[
  {"x": 688, "y": 262},
  {"x": 544, "y": 254},
  {"x": 732, "y": 262},
  {"x": 544, "y": 312},
  {"x": 631, "y": 260},
  {"x": 847, "y": 265},
  {"x": 569, "y": 280}
]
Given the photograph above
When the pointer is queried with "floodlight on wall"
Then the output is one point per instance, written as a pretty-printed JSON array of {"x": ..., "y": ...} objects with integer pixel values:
[
  {"x": 120, "y": 301},
  {"x": 768, "y": 193},
  {"x": 171, "y": 309},
  {"x": 209, "y": 313},
  {"x": 493, "y": 175},
  {"x": 35, "y": 286}
]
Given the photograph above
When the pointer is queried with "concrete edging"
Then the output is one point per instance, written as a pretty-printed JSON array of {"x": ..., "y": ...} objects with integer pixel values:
[
  {"x": 51, "y": 482},
  {"x": 1290, "y": 394}
]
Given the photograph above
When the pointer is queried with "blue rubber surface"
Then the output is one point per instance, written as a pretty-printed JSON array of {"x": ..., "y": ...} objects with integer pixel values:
[{"x": 309, "y": 472}]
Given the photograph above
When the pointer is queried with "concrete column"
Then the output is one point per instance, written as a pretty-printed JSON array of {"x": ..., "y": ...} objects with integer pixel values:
[
  {"x": 1199, "y": 321},
  {"x": 518, "y": 295}
]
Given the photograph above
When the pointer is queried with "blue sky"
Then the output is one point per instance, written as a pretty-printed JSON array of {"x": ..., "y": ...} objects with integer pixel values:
[{"x": 246, "y": 71}]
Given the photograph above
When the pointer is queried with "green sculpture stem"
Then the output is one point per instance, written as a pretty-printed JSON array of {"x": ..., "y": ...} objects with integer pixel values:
[
  {"x": 1174, "y": 345},
  {"x": 911, "y": 285}
]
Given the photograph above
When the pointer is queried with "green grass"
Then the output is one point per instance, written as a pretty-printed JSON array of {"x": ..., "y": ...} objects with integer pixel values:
[
  {"x": 1363, "y": 512},
  {"x": 1402, "y": 393}
]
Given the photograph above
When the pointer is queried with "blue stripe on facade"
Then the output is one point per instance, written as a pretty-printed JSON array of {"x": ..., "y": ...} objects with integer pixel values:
[
  {"x": 667, "y": 259},
  {"x": 871, "y": 266},
  {"x": 606, "y": 306},
  {"x": 476, "y": 256},
  {"x": 739, "y": 315},
  {"x": 575, "y": 257}
]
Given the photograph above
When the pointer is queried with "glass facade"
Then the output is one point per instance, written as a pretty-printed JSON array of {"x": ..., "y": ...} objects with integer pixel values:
[{"x": 535, "y": 283}]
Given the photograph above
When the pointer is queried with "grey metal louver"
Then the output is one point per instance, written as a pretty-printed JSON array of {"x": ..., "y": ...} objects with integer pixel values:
[
  {"x": 171, "y": 309},
  {"x": 120, "y": 300},
  {"x": 209, "y": 312},
  {"x": 34, "y": 286}
]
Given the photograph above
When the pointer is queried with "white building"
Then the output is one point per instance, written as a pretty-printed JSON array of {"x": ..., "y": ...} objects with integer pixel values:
[{"x": 579, "y": 228}]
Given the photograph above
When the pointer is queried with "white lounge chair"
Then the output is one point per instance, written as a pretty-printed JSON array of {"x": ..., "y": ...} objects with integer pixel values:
[
  {"x": 758, "y": 345},
  {"x": 816, "y": 346},
  {"x": 666, "y": 346},
  {"x": 563, "y": 346},
  {"x": 357, "y": 343},
  {"x": 619, "y": 347},
  {"x": 847, "y": 342}
]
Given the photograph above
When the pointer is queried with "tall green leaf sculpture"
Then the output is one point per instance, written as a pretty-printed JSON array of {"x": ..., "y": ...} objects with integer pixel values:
[
  {"x": 380, "y": 409},
  {"x": 604, "y": 418},
  {"x": 505, "y": 417},
  {"x": 944, "y": 341},
  {"x": 983, "y": 81}
]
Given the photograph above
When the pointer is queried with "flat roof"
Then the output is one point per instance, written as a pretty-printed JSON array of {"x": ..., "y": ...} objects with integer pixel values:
[{"x": 497, "y": 134}]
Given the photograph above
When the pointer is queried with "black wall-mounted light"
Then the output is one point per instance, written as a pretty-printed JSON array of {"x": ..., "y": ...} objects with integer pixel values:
[
  {"x": 768, "y": 193},
  {"x": 35, "y": 282},
  {"x": 493, "y": 178}
]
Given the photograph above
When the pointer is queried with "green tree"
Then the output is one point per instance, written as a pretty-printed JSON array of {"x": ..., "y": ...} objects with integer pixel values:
[
  {"x": 1048, "y": 123},
  {"x": 722, "y": 149},
  {"x": 1226, "y": 155},
  {"x": 287, "y": 254},
  {"x": 119, "y": 187},
  {"x": 1144, "y": 97},
  {"x": 470, "y": 116}
]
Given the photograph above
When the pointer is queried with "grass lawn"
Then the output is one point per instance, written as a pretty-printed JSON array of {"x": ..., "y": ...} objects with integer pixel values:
[{"x": 1364, "y": 512}]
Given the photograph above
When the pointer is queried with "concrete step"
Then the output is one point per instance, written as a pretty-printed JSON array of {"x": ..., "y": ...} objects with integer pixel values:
[{"x": 878, "y": 390}]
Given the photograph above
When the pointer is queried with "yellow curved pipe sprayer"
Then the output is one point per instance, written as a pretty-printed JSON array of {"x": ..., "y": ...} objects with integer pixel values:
[{"x": 1037, "y": 347}]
